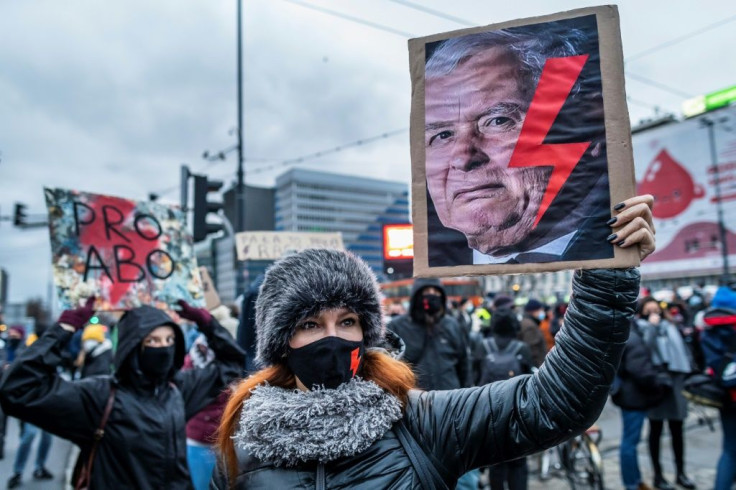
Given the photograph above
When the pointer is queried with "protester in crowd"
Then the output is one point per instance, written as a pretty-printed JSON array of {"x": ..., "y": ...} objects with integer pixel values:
[
  {"x": 149, "y": 399},
  {"x": 246, "y": 335},
  {"x": 719, "y": 347},
  {"x": 530, "y": 331},
  {"x": 545, "y": 325},
  {"x": 558, "y": 316},
  {"x": 96, "y": 355},
  {"x": 330, "y": 409},
  {"x": 201, "y": 428},
  {"x": 506, "y": 357},
  {"x": 29, "y": 432},
  {"x": 436, "y": 346},
  {"x": 669, "y": 355},
  {"x": 13, "y": 343},
  {"x": 638, "y": 387}
]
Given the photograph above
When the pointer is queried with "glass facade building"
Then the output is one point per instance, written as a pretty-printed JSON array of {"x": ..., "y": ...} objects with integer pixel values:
[{"x": 312, "y": 201}]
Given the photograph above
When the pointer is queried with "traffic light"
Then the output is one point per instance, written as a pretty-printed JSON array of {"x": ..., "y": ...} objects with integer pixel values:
[
  {"x": 202, "y": 207},
  {"x": 19, "y": 218}
]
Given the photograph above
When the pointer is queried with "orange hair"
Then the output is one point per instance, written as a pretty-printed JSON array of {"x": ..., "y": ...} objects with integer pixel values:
[{"x": 393, "y": 376}]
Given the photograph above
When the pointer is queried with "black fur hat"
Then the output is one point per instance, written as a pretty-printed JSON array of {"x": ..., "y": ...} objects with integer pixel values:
[{"x": 302, "y": 285}]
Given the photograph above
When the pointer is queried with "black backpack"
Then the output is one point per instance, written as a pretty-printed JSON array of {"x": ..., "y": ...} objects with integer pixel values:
[{"x": 501, "y": 364}]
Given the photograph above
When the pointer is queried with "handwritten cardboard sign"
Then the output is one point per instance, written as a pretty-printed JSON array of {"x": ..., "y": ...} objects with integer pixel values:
[
  {"x": 127, "y": 253},
  {"x": 271, "y": 245},
  {"x": 520, "y": 146}
]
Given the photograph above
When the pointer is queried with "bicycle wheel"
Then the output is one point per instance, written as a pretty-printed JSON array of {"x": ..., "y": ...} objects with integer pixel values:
[{"x": 583, "y": 464}]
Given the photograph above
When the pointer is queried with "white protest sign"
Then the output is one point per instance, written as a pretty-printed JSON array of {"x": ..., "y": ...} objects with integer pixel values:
[{"x": 271, "y": 245}]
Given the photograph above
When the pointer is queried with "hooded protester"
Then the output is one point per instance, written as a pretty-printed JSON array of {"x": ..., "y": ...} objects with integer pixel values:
[
  {"x": 331, "y": 409},
  {"x": 436, "y": 346},
  {"x": 144, "y": 442}
]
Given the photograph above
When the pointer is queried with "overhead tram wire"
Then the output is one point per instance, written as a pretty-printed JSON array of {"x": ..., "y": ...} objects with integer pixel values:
[
  {"x": 679, "y": 39},
  {"x": 436, "y": 13},
  {"x": 318, "y": 154},
  {"x": 302, "y": 158},
  {"x": 351, "y": 18},
  {"x": 658, "y": 85}
]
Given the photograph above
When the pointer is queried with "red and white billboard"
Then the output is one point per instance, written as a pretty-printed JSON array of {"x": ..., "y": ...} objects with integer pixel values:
[{"x": 674, "y": 163}]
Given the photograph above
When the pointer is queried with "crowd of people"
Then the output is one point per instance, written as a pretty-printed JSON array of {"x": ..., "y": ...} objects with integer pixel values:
[{"x": 320, "y": 390}]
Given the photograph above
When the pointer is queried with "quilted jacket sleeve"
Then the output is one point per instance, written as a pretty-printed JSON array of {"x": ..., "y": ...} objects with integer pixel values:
[{"x": 474, "y": 427}]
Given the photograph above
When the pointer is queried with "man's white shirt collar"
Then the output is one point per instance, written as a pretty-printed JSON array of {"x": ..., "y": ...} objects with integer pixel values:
[{"x": 555, "y": 247}]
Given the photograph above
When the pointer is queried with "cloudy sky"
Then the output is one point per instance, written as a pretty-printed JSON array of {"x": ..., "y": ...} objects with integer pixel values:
[{"x": 112, "y": 97}]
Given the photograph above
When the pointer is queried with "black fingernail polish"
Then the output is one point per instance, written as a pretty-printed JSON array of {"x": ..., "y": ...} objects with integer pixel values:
[
  {"x": 611, "y": 237},
  {"x": 611, "y": 221},
  {"x": 619, "y": 206},
  {"x": 621, "y": 243}
]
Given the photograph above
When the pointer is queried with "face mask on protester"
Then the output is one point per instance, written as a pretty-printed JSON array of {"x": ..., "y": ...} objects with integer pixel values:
[
  {"x": 328, "y": 362},
  {"x": 431, "y": 304},
  {"x": 469, "y": 309},
  {"x": 541, "y": 315},
  {"x": 156, "y": 362},
  {"x": 14, "y": 343}
]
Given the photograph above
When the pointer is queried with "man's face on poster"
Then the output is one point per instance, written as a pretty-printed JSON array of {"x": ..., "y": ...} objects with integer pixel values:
[{"x": 473, "y": 119}]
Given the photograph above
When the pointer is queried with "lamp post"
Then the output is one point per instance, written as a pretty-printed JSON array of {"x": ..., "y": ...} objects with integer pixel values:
[
  {"x": 709, "y": 124},
  {"x": 240, "y": 187}
]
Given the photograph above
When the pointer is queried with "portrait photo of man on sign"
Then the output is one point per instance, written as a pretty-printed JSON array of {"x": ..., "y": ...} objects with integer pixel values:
[{"x": 515, "y": 151}]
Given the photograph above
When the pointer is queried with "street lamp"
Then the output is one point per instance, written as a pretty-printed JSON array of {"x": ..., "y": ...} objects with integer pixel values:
[{"x": 709, "y": 124}]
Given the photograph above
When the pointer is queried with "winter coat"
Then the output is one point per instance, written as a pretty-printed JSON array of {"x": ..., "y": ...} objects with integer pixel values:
[
  {"x": 246, "y": 336},
  {"x": 639, "y": 386},
  {"x": 469, "y": 428},
  {"x": 438, "y": 354},
  {"x": 99, "y": 360},
  {"x": 144, "y": 445},
  {"x": 534, "y": 337}
]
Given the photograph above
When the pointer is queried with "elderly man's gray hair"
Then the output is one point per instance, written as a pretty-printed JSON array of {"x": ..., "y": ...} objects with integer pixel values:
[{"x": 529, "y": 47}]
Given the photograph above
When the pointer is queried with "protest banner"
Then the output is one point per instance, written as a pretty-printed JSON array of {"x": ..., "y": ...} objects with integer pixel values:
[
  {"x": 127, "y": 253},
  {"x": 515, "y": 164},
  {"x": 271, "y": 245},
  {"x": 680, "y": 166}
]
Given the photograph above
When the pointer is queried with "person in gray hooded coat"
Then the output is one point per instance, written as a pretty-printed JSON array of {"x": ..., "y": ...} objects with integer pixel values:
[{"x": 331, "y": 409}]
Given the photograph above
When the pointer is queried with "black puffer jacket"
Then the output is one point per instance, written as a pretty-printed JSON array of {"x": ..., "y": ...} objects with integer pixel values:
[
  {"x": 473, "y": 427},
  {"x": 438, "y": 354},
  {"x": 144, "y": 446}
]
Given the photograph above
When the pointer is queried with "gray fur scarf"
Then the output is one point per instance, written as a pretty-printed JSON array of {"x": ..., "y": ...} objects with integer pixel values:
[{"x": 285, "y": 427}]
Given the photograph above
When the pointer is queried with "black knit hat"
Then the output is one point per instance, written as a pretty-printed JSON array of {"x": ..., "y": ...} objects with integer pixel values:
[{"x": 301, "y": 285}]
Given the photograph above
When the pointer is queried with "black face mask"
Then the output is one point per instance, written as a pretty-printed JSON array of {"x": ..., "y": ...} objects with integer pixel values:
[
  {"x": 328, "y": 362},
  {"x": 156, "y": 362},
  {"x": 14, "y": 343},
  {"x": 431, "y": 304}
]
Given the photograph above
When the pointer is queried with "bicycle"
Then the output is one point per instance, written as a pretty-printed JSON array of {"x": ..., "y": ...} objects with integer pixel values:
[{"x": 579, "y": 459}]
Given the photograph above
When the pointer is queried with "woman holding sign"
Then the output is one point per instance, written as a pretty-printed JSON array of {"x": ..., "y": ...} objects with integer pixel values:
[
  {"x": 332, "y": 409},
  {"x": 140, "y": 411}
]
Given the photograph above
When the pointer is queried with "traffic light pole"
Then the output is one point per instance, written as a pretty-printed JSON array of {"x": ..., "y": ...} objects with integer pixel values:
[{"x": 240, "y": 188}]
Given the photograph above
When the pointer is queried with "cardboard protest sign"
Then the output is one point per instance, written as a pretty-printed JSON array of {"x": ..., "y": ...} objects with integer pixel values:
[
  {"x": 211, "y": 298},
  {"x": 271, "y": 245},
  {"x": 520, "y": 146},
  {"x": 127, "y": 253}
]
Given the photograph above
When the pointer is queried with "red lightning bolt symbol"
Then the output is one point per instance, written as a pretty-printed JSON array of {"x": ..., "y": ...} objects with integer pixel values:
[
  {"x": 355, "y": 361},
  {"x": 555, "y": 83}
]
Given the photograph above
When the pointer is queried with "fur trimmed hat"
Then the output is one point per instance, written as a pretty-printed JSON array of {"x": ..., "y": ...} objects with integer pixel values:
[{"x": 301, "y": 285}]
